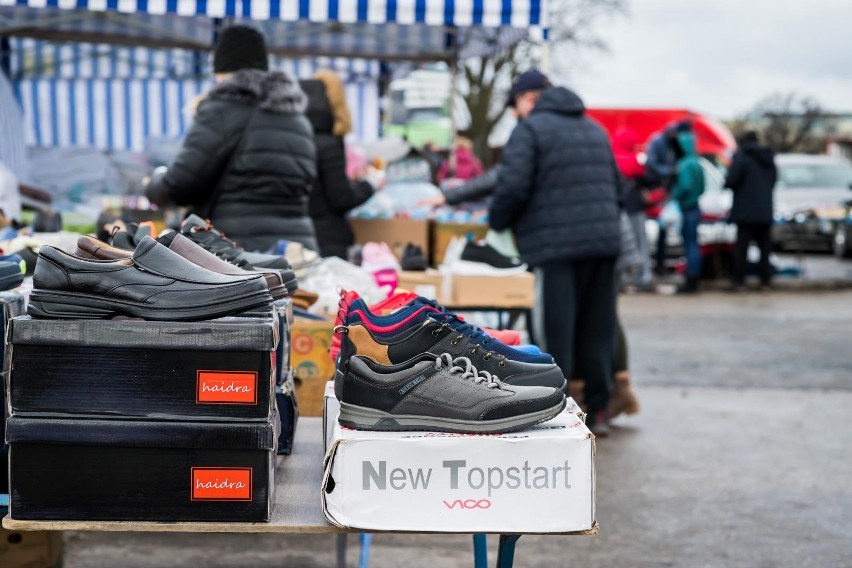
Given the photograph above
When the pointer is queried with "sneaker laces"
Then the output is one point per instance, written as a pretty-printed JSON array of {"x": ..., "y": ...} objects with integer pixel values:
[
  {"x": 219, "y": 244},
  {"x": 465, "y": 367},
  {"x": 460, "y": 329},
  {"x": 474, "y": 333}
]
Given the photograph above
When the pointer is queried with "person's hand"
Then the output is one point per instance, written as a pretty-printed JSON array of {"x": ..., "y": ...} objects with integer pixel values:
[{"x": 436, "y": 201}]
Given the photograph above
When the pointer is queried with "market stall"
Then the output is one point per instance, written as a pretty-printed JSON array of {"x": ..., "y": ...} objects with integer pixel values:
[{"x": 200, "y": 378}]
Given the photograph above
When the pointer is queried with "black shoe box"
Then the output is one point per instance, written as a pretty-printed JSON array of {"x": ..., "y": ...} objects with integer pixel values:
[
  {"x": 220, "y": 369},
  {"x": 288, "y": 410},
  {"x": 280, "y": 311},
  {"x": 122, "y": 470},
  {"x": 11, "y": 304}
]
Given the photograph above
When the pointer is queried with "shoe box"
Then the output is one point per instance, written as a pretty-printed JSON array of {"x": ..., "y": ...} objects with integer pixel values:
[
  {"x": 397, "y": 233},
  {"x": 136, "y": 470},
  {"x": 539, "y": 480},
  {"x": 311, "y": 362},
  {"x": 288, "y": 409},
  {"x": 12, "y": 304},
  {"x": 508, "y": 291},
  {"x": 428, "y": 283},
  {"x": 221, "y": 369}
]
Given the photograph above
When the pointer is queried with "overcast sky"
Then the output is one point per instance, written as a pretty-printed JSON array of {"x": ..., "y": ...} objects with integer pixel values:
[{"x": 721, "y": 56}]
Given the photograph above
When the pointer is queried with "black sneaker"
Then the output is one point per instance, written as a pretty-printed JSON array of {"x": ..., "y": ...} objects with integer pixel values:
[
  {"x": 483, "y": 258},
  {"x": 443, "y": 393},
  {"x": 204, "y": 234},
  {"x": 413, "y": 258},
  {"x": 434, "y": 338}
]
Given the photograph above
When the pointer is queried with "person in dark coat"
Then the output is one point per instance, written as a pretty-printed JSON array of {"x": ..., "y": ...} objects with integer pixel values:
[
  {"x": 752, "y": 178},
  {"x": 334, "y": 194},
  {"x": 559, "y": 191},
  {"x": 249, "y": 160}
]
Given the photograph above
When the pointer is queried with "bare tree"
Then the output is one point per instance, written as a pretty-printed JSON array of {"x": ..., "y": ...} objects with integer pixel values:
[
  {"x": 574, "y": 28},
  {"x": 787, "y": 122}
]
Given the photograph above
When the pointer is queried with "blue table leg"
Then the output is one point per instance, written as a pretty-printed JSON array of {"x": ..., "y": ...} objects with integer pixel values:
[
  {"x": 506, "y": 550},
  {"x": 480, "y": 551},
  {"x": 364, "y": 559}
]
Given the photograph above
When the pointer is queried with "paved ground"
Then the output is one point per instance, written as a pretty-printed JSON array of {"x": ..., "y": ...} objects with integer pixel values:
[{"x": 738, "y": 458}]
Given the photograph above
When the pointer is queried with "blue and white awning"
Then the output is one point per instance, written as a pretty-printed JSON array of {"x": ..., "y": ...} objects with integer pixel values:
[
  {"x": 380, "y": 29},
  {"x": 116, "y": 97}
]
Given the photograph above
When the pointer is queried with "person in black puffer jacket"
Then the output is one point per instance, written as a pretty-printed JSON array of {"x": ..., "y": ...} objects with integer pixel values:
[
  {"x": 249, "y": 160},
  {"x": 560, "y": 191},
  {"x": 334, "y": 194},
  {"x": 752, "y": 178}
]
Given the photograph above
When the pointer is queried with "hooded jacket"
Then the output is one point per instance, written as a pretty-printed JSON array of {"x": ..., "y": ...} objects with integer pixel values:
[
  {"x": 752, "y": 178},
  {"x": 690, "y": 175},
  {"x": 334, "y": 194},
  {"x": 558, "y": 185},
  {"x": 248, "y": 161},
  {"x": 661, "y": 159}
]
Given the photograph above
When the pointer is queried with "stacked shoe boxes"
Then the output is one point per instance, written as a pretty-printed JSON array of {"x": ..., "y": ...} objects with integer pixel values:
[
  {"x": 11, "y": 304},
  {"x": 141, "y": 420},
  {"x": 537, "y": 480}
]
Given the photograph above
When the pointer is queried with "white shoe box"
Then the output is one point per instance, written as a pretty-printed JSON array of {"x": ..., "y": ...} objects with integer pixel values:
[{"x": 540, "y": 480}]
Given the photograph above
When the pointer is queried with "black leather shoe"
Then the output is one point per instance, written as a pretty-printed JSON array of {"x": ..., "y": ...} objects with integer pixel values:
[
  {"x": 155, "y": 284},
  {"x": 203, "y": 233}
]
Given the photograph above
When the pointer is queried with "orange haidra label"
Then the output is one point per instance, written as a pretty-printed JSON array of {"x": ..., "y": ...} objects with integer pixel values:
[
  {"x": 221, "y": 484},
  {"x": 226, "y": 387}
]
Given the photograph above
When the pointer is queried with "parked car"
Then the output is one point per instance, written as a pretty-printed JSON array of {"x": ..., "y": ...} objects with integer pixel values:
[
  {"x": 809, "y": 201},
  {"x": 842, "y": 244}
]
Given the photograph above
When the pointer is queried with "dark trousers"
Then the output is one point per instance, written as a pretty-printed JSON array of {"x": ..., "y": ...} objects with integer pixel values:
[
  {"x": 689, "y": 231},
  {"x": 574, "y": 319},
  {"x": 761, "y": 235}
]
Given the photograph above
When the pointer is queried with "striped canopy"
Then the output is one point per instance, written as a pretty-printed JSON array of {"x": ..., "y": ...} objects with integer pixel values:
[{"x": 381, "y": 29}]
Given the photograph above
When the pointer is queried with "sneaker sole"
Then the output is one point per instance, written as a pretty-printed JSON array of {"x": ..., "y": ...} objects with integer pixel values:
[
  {"x": 361, "y": 418},
  {"x": 58, "y": 305}
]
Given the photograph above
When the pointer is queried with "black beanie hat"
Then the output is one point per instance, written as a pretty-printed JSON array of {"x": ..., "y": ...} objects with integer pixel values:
[{"x": 240, "y": 47}]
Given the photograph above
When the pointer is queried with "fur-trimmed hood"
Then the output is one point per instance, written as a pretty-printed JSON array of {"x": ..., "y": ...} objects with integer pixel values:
[{"x": 274, "y": 91}]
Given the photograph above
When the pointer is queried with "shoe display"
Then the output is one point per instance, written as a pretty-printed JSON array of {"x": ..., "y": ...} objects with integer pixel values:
[
  {"x": 300, "y": 259},
  {"x": 434, "y": 337},
  {"x": 207, "y": 237},
  {"x": 413, "y": 258},
  {"x": 352, "y": 309},
  {"x": 440, "y": 393},
  {"x": 155, "y": 283},
  {"x": 481, "y": 259},
  {"x": 89, "y": 247},
  {"x": 11, "y": 274}
]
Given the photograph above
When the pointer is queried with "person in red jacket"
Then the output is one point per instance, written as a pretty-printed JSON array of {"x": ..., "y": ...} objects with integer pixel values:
[
  {"x": 624, "y": 146},
  {"x": 467, "y": 165}
]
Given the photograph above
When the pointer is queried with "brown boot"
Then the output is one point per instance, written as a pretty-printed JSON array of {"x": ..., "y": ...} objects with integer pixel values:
[
  {"x": 575, "y": 391},
  {"x": 623, "y": 399}
]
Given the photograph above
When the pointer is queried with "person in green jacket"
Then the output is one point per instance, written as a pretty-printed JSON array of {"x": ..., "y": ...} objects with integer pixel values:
[{"x": 686, "y": 191}]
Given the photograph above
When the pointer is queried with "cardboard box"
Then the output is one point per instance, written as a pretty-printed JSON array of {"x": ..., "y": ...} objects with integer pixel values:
[
  {"x": 220, "y": 369},
  {"x": 443, "y": 233},
  {"x": 511, "y": 291},
  {"x": 540, "y": 480},
  {"x": 30, "y": 549},
  {"x": 397, "y": 233},
  {"x": 428, "y": 283},
  {"x": 115, "y": 470},
  {"x": 310, "y": 342}
]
